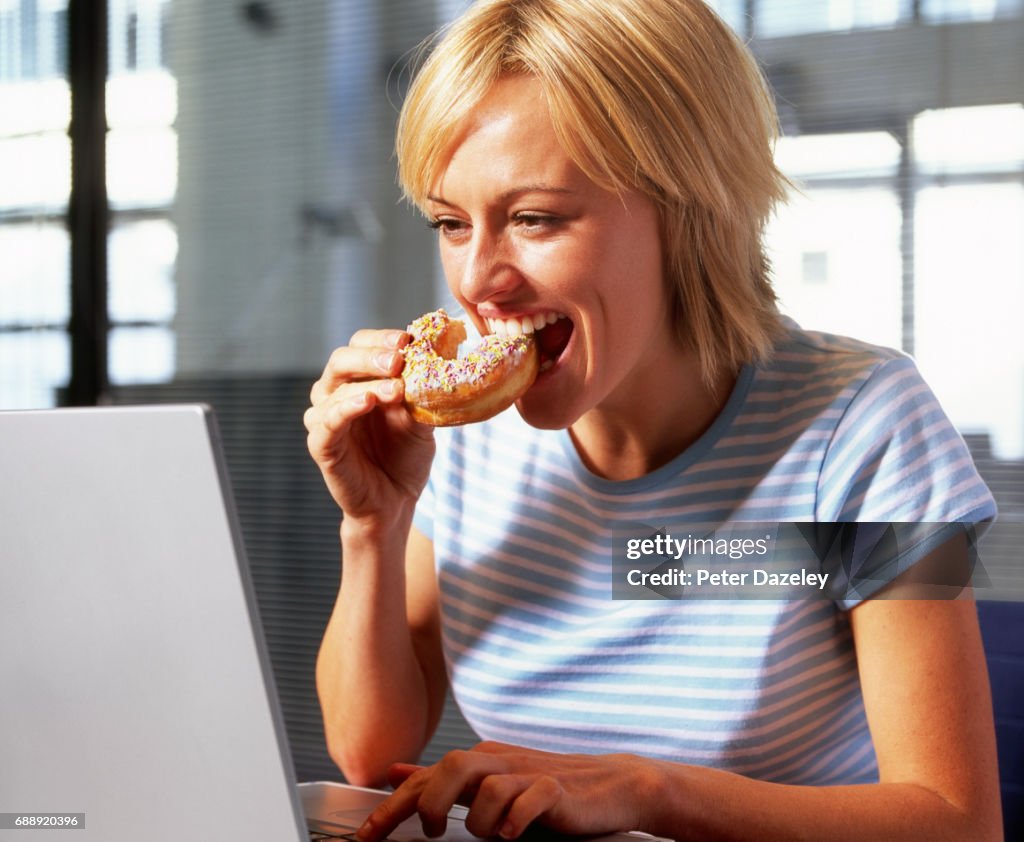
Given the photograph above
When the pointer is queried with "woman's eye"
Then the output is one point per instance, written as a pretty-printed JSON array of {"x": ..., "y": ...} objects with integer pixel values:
[
  {"x": 535, "y": 221},
  {"x": 446, "y": 225}
]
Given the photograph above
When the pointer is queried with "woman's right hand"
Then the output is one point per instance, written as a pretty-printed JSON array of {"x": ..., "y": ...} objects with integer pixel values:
[{"x": 374, "y": 458}]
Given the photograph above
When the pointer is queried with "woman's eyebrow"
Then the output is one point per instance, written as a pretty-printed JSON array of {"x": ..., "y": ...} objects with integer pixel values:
[
  {"x": 513, "y": 192},
  {"x": 535, "y": 188}
]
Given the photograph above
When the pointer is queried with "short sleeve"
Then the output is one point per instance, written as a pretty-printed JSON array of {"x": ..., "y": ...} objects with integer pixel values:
[
  {"x": 862, "y": 557},
  {"x": 896, "y": 459},
  {"x": 895, "y": 456}
]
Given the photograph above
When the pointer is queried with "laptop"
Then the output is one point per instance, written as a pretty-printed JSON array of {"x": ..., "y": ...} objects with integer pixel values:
[{"x": 136, "y": 694}]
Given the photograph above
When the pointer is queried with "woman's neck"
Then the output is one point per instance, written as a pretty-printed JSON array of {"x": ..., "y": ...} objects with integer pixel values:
[{"x": 635, "y": 434}]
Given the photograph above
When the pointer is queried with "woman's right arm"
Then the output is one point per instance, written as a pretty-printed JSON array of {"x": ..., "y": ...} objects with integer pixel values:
[{"x": 380, "y": 673}]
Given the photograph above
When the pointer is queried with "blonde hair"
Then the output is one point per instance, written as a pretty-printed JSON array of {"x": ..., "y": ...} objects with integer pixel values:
[{"x": 657, "y": 96}]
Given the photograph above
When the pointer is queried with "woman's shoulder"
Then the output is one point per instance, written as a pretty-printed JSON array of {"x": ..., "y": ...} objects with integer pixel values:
[
  {"x": 891, "y": 452},
  {"x": 813, "y": 377},
  {"x": 819, "y": 371},
  {"x": 801, "y": 351}
]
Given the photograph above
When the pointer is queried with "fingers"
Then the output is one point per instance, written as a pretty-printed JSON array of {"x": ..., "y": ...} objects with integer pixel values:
[
  {"x": 399, "y": 772},
  {"x": 367, "y": 338},
  {"x": 498, "y": 808},
  {"x": 494, "y": 747},
  {"x": 538, "y": 798},
  {"x": 357, "y": 377},
  {"x": 505, "y": 805},
  {"x": 373, "y": 456},
  {"x": 453, "y": 780},
  {"x": 501, "y": 803},
  {"x": 430, "y": 792},
  {"x": 370, "y": 354},
  {"x": 324, "y": 420},
  {"x": 406, "y": 801}
]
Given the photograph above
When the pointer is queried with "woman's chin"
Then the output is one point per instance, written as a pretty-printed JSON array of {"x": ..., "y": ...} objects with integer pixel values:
[
  {"x": 543, "y": 416},
  {"x": 547, "y": 404}
]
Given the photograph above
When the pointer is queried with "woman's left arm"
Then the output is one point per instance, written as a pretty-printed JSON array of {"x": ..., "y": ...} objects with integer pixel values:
[
  {"x": 927, "y": 699},
  {"x": 929, "y": 706}
]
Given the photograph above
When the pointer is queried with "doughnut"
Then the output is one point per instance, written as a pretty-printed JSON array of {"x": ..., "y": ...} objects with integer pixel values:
[{"x": 444, "y": 390}]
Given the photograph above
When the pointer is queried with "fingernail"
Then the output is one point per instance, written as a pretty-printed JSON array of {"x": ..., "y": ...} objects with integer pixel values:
[
  {"x": 389, "y": 389},
  {"x": 507, "y": 831},
  {"x": 384, "y": 360},
  {"x": 395, "y": 338}
]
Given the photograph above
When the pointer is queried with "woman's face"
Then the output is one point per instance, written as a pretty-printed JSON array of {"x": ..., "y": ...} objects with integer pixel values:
[{"x": 530, "y": 244}]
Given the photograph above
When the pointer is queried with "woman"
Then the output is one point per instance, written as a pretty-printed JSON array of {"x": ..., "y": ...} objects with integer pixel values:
[{"x": 611, "y": 164}]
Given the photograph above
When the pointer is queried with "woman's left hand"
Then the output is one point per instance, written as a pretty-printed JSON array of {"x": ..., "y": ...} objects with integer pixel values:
[{"x": 506, "y": 788}]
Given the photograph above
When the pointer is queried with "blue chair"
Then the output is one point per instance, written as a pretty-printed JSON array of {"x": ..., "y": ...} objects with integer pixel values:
[{"x": 1002, "y": 631}]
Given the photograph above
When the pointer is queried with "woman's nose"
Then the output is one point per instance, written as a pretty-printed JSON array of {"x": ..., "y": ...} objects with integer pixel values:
[{"x": 488, "y": 270}]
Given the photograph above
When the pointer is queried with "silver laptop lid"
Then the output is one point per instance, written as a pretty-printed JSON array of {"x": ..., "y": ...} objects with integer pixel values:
[{"x": 133, "y": 683}]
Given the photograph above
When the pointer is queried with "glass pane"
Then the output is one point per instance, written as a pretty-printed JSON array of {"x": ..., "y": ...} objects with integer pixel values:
[
  {"x": 141, "y": 355},
  {"x": 35, "y": 184},
  {"x": 141, "y": 267},
  {"x": 142, "y": 145},
  {"x": 833, "y": 155},
  {"x": 142, "y": 100},
  {"x": 35, "y": 171},
  {"x": 142, "y": 167},
  {"x": 733, "y": 12},
  {"x": 970, "y": 296},
  {"x": 138, "y": 32},
  {"x": 34, "y": 275},
  {"x": 964, "y": 10},
  {"x": 33, "y": 366},
  {"x": 34, "y": 106},
  {"x": 33, "y": 39},
  {"x": 775, "y": 18},
  {"x": 828, "y": 280},
  {"x": 142, "y": 176},
  {"x": 981, "y": 139}
]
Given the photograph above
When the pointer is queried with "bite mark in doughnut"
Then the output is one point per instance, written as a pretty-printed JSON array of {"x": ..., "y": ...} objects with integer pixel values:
[{"x": 443, "y": 390}]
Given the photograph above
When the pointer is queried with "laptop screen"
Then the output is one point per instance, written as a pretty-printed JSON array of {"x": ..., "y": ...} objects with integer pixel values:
[{"x": 136, "y": 691}]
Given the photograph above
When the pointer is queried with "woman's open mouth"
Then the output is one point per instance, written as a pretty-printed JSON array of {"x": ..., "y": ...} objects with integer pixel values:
[{"x": 551, "y": 330}]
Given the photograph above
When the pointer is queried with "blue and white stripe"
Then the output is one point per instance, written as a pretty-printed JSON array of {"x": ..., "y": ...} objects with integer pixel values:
[{"x": 539, "y": 654}]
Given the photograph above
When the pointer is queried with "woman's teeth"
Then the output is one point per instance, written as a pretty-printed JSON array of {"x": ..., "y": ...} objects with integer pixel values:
[
  {"x": 524, "y": 324},
  {"x": 552, "y": 329}
]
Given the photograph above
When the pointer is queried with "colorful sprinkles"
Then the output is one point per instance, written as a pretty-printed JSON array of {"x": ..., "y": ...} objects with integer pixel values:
[{"x": 427, "y": 371}]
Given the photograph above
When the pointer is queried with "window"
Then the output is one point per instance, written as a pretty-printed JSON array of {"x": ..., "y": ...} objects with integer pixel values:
[
  {"x": 35, "y": 176},
  {"x": 840, "y": 255},
  {"x": 33, "y": 39},
  {"x": 908, "y": 150},
  {"x": 828, "y": 280},
  {"x": 943, "y": 11},
  {"x": 142, "y": 182},
  {"x": 777, "y": 18},
  {"x": 34, "y": 305},
  {"x": 733, "y": 12},
  {"x": 970, "y": 266},
  {"x": 35, "y": 181}
]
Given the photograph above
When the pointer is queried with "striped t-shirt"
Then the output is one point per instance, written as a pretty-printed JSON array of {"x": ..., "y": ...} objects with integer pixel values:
[{"x": 539, "y": 654}]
